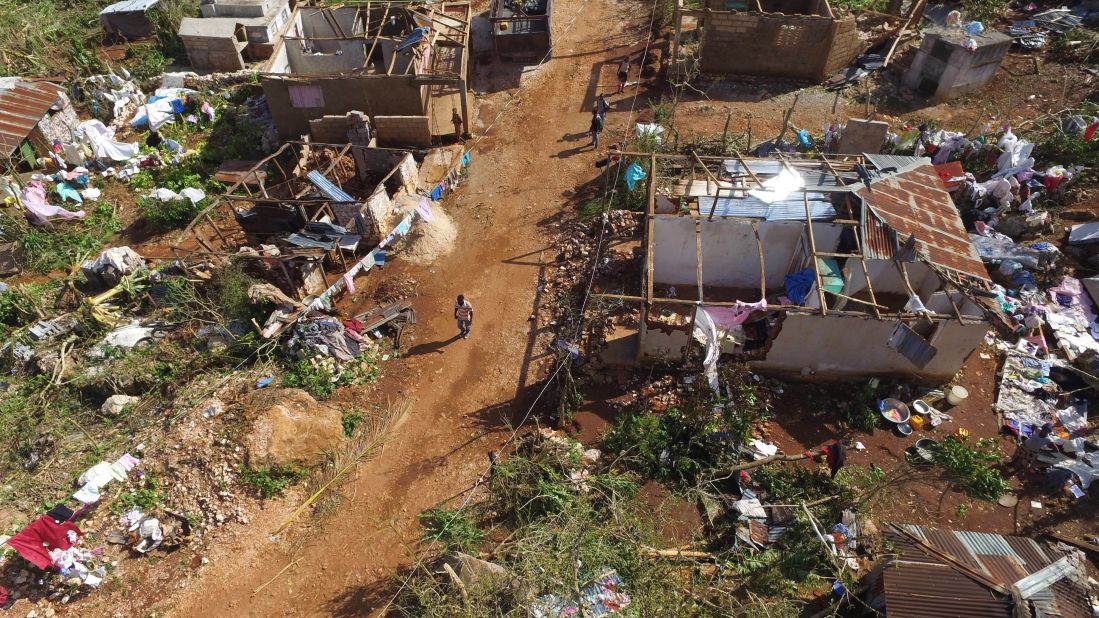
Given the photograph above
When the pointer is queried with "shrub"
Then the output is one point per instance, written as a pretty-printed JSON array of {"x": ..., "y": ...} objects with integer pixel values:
[
  {"x": 968, "y": 465},
  {"x": 316, "y": 380},
  {"x": 169, "y": 214},
  {"x": 352, "y": 418},
  {"x": 270, "y": 481},
  {"x": 453, "y": 528}
]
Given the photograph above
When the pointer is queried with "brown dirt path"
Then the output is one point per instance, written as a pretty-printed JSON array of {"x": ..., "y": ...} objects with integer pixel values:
[{"x": 464, "y": 391}]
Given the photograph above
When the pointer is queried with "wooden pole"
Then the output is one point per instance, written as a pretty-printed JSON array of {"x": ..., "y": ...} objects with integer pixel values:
[
  {"x": 725, "y": 133},
  {"x": 813, "y": 255},
  {"x": 698, "y": 256}
]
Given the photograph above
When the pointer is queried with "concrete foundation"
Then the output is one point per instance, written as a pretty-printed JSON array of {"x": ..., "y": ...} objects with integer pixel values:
[{"x": 943, "y": 69}]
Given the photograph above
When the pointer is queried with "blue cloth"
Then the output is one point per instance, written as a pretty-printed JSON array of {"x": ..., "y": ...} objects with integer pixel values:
[
  {"x": 634, "y": 173},
  {"x": 437, "y": 192},
  {"x": 799, "y": 284},
  {"x": 465, "y": 158},
  {"x": 379, "y": 258},
  {"x": 804, "y": 139},
  {"x": 177, "y": 106}
]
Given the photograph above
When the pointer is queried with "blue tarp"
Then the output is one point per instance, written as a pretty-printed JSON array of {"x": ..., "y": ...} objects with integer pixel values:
[{"x": 417, "y": 35}]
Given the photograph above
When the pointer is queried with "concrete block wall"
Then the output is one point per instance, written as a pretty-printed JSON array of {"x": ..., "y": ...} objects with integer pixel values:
[
  {"x": 403, "y": 130},
  {"x": 846, "y": 46},
  {"x": 213, "y": 53},
  {"x": 767, "y": 44},
  {"x": 330, "y": 129}
]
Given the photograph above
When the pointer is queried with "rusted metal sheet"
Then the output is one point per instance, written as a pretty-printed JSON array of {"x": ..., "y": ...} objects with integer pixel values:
[
  {"x": 922, "y": 590},
  {"x": 918, "y": 580},
  {"x": 915, "y": 203},
  {"x": 21, "y": 107}
]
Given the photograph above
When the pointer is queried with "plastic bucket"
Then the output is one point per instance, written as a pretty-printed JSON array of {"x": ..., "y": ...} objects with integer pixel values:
[{"x": 957, "y": 395}]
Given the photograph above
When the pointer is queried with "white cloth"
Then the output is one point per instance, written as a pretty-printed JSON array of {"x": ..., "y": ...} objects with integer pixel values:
[
  {"x": 88, "y": 494},
  {"x": 706, "y": 332},
  {"x": 190, "y": 193},
  {"x": 103, "y": 146}
]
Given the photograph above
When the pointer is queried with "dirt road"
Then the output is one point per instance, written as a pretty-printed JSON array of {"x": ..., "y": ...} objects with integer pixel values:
[{"x": 464, "y": 390}]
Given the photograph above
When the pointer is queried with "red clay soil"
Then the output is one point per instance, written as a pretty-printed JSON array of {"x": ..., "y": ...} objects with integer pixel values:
[{"x": 465, "y": 391}]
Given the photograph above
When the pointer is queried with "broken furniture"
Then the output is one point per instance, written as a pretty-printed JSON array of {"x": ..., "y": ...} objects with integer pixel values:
[{"x": 397, "y": 315}]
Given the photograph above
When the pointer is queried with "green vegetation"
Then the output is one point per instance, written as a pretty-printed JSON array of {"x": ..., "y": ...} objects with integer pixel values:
[
  {"x": 146, "y": 497},
  {"x": 270, "y": 481},
  {"x": 968, "y": 464},
  {"x": 62, "y": 245},
  {"x": 986, "y": 11},
  {"x": 352, "y": 418},
  {"x": 313, "y": 378},
  {"x": 455, "y": 529},
  {"x": 680, "y": 443}
]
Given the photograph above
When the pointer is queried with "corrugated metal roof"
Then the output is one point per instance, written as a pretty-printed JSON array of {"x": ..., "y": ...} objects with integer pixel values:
[
  {"x": 918, "y": 580},
  {"x": 129, "y": 6},
  {"x": 22, "y": 105},
  {"x": 790, "y": 209},
  {"x": 916, "y": 590},
  {"x": 914, "y": 203},
  {"x": 818, "y": 177},
  {"x": 902, "y": 163}
]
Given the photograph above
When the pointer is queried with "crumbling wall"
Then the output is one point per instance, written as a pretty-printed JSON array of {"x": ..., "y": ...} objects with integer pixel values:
[
  {"x": 403, "y": 130},
  {"x": 839, "y": 346},
  {"x": 777, "y": 45},
  {"x": 337, "y": 95}
]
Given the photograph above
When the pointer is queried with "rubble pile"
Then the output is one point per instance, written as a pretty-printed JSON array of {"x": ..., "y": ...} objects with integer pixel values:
[{"x": 569, "y": 274}]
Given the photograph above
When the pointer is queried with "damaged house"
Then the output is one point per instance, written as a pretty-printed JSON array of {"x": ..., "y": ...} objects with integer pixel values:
[
  {"x": 306, "y": 212},
  {"x": 799, "y": 39},
  {"x": 402, "y": 64},
  {"x": 962, "y": 573},
  {"x": 839, "y": 266},
  {"x": 33, "y": 113}
]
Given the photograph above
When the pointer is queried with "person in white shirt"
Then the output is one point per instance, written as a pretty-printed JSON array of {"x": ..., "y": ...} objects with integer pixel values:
[{"x": 463, "y": 312}]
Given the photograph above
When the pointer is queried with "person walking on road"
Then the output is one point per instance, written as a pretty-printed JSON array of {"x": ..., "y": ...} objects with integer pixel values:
[
  {"x": 596, "y": 128},
  {"x": 463, "y": 312},
  {"x": 601, "y": 107},
  {"x": 623, "y": 74}
]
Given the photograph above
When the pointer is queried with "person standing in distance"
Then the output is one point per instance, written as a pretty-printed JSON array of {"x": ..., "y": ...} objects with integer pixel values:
[{"x": 463, "y": 312}]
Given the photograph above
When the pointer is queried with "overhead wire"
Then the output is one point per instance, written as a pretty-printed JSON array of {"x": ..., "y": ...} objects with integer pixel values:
[{"x": 587, "y": 292}]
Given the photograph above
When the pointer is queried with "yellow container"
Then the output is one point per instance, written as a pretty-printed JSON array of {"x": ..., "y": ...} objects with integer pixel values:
[{"x": 917, "y": 421}]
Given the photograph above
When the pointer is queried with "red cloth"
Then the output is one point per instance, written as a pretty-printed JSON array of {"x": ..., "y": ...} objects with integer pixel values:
[
  {"x": 40, "y": 536},
  {"x": 1051, "y": 182},
  {"x": 1090, "y": 131}
]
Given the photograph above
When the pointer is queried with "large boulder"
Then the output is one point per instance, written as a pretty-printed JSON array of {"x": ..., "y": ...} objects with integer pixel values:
[{"x": 289, "y": 427}]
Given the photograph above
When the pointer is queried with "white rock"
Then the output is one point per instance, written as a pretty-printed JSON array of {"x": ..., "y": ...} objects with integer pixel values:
[{"x": 115, "y": 404}]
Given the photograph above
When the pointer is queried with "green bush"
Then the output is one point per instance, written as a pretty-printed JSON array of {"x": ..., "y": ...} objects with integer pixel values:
[
  {"x": 969, "y": 465},
  {"x": 169, "y": 214},
  {"x": 986, "y": 11},
  {"x": 146, "y": 497},
  {"x": 351, "y": 419},
  {"x": 455, "y": 529},
  {"x": 270, "y": 481},
  {"x": 317, "y": 381}
]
